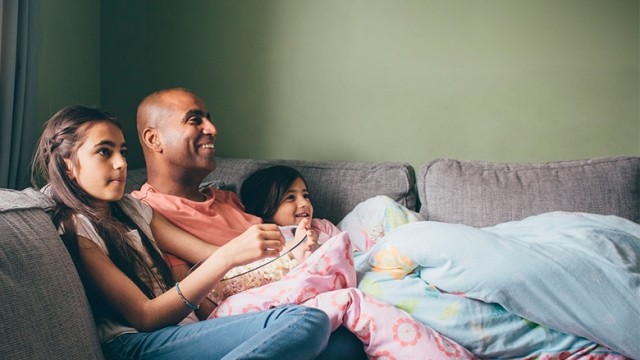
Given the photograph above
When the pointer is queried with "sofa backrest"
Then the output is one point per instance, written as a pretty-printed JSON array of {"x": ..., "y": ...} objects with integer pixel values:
[
  {"x": 45, "y": 314},
  {"x": 481, "y": 194},
  {"x": 336, "y": 187},
  {"x": 475, "y": 193}
]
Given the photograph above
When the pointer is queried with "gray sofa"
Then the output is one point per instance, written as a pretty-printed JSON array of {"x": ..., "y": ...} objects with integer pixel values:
[{"x": 45, "y": 314}]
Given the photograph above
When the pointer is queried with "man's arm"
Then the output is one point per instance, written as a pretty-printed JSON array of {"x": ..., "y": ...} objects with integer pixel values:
[{"x": 189, "y": 248}]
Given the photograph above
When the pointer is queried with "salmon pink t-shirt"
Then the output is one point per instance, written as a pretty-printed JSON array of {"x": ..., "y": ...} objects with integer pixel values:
[{"x": 216, "y": 220}]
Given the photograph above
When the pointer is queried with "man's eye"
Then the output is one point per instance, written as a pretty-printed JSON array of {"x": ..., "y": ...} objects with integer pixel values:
[{"x": 195, "y": 120}]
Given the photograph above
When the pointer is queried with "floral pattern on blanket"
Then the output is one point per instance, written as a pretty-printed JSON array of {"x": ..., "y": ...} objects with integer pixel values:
[
  {"x": 373, "y": 218},
  {"x": 326, "y": 280}
]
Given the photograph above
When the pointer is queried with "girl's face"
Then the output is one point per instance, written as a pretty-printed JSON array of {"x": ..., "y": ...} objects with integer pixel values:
[
  {"x": 100, "y": 167},
  {"x": 295, "y": 205}
]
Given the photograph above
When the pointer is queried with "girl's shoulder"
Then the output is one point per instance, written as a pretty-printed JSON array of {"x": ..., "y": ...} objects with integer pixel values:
[
  {"x": 325, "y": 226},
  {"x": 86, "y": 229},
  {"x": 136, "y": 209}
]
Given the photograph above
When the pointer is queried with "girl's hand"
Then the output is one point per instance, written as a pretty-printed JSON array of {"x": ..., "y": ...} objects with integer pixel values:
[
  {"x": 257, "y": 242},
  {"x": 305, "y": 250}
]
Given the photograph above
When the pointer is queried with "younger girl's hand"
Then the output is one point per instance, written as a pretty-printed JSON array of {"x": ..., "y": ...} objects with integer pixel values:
[{"x": 305, "y": 250}]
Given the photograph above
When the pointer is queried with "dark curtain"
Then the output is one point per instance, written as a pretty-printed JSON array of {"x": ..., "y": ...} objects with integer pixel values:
[{"x": 19, "y": 126}]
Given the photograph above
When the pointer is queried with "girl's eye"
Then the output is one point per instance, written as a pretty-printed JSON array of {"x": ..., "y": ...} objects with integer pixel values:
[
  {"x": 104, "y": 152},
  {"x": 124, "y": 153},
  {"x": 290, "y": 198},
  {"x": 306, "y": 195}
]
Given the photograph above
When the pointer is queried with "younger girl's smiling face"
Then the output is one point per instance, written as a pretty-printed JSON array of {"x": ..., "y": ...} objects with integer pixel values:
[
  {"x": 295, "y": 205},
  {"x": 100, "y": 165}
]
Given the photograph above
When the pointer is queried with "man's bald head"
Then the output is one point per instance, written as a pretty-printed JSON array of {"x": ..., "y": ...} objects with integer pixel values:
[
  {"x": 157, "y": 107},
  {"x": 177, "y": 138}
]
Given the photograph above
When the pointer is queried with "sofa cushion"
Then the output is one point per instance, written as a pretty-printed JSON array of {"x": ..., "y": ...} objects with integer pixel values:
[
  {"x": 135, "y": 179},
  {"x": 336, "y": 187},
  {"x": 483, "y": 194},
  {"x": 44, "y": 310}
]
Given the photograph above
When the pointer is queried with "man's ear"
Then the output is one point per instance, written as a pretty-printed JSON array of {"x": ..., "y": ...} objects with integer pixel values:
[
  {"x": 151, "y": 139},
  {"x": 70, "y": 169}
]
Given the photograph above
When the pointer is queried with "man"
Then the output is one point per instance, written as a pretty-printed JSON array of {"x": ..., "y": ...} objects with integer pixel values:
[{"x": 178, "y": 142}]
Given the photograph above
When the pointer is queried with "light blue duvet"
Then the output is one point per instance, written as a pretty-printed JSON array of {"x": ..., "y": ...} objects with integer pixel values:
[{"x": 551, "y": 283}]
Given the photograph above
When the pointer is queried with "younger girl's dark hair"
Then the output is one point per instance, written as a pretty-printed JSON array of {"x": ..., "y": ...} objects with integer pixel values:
[
  {"x": 262, "y": 192},
  {"x": 63, "y": 134}
]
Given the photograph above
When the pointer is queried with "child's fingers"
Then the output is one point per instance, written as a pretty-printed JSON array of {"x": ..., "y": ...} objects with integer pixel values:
[
  {"x": 302, "y": 229},
  {"x": 304, "y": 224},
  {"x": 312, "y": 241},
  {"x": 312, "y": 236}
]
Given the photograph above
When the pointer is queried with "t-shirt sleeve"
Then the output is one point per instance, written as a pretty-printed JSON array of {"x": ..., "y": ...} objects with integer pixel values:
[
  {"x": 85, "y": 229},
  {"x": 235, "y": 200},
  {"x": 143, "y": 209},
  {"x": 325, "y": 228},
  {"x": 146, "y": 212}
]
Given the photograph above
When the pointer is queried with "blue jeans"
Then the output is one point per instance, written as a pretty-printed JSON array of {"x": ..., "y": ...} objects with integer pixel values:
[
  {"x": 343, "y": 345},
  {"x": 290, "y": 332}
]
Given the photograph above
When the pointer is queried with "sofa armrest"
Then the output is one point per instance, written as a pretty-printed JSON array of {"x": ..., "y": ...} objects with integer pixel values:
[{"x": 45, "y": 313}]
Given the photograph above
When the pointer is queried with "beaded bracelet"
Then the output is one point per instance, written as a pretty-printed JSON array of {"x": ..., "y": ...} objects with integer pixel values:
[{"x": 186, "y": 302}]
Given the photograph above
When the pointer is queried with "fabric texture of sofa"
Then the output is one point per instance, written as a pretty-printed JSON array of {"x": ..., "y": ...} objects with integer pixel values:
[{"x": 45, "y": 312}]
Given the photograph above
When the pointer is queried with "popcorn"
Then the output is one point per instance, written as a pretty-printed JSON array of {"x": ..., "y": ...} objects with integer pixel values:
[{"x": 251, "y": 276}]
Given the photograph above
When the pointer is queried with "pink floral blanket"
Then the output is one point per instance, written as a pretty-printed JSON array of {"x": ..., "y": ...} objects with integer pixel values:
[{"x": 327, "y": 280}]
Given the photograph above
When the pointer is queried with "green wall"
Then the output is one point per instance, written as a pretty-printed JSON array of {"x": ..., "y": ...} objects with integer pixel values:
[
  {"x": 496, "y": 80},
  {"x": 69, "y": 66}
]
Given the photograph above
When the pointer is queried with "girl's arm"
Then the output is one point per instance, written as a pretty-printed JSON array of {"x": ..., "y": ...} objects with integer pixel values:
[
  {"x": 182, "y": 244},
  {"x": 147, "y": 314},
  {"x": 142, "y": 313}
]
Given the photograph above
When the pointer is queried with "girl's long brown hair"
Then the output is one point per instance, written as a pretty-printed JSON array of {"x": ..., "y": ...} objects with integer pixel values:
[{"x": 63, "y": 134}]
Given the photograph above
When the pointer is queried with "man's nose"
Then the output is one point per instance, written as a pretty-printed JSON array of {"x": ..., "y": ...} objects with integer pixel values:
[{"x": 208, "y": 128}]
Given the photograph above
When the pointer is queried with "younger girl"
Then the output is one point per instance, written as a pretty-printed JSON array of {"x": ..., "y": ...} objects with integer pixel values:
[
  {"x": 279, "y": 195},
  {"x": 115, "y": 241}
]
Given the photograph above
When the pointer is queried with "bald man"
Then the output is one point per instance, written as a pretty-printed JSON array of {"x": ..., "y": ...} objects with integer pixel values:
[{"x": 178, "y": 142}]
